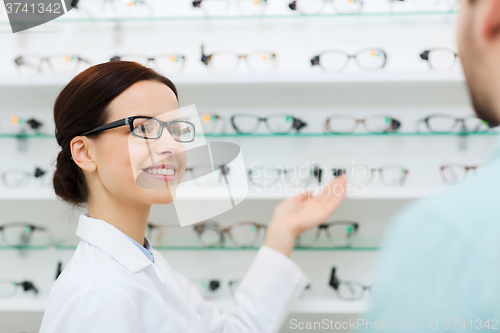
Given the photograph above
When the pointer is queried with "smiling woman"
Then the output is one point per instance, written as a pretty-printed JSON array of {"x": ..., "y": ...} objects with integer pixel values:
[{"x": 124, "y": 149}]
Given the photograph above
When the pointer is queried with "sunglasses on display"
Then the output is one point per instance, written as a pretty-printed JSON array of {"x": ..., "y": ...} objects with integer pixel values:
[
  {"x": 345, "y": 124},
  {"x": 165, "y": 63},
  {"x": 228, "y": 61},
  {"x": 151, "y": 128},
  {"x": 347, "y": 290},
  {"x": 20, "y": 178},
  {"x": 241, "y": 234},
  {"x": 61, "y": 63},
  {"x": 440, "y": 59},
  {"x": 372, "y": 59},
  {"x": 268, "y": 176},
  {"x": 223, "y": 7},
  {"x": 338, "y": 234},
  {"x": 244, "y": 123},
  {"x": 8, "y": 288},
  {"x": 315, "y": 7}
]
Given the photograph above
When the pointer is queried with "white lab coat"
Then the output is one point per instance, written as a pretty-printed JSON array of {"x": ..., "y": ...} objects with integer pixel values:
[{"x": 110, "y": 286}]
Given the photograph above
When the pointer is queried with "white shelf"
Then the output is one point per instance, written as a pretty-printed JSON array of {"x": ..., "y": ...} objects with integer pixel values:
[
  {"x": 305, "y": 305},
  {"x": 260, "y": 78}
]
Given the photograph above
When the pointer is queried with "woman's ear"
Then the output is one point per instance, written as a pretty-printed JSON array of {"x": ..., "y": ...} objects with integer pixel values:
[{"x": 82, "y": 151}]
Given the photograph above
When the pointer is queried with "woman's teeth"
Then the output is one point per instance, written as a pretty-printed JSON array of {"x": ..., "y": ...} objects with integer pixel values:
[{"x": 165, "y": 172}]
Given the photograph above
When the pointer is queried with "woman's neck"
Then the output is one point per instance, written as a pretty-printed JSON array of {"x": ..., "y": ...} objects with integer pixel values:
[{"x": 128, "y": 216}]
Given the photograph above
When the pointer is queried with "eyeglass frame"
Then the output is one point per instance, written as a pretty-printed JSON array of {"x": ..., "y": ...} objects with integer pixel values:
[
  {"x": 425, "y": 55},
  {"x": 297, "y": 124},
  {"x": 224, "y": 171},
  {"x": 340, "y": 171},
  {"x": 316, "y": 60},
  {"x": 38, "y": 173},
  {"x": 223, "y": 230},
  {"x": 334, "y": 282},
  {"x": 26, "y": 285},
  {"x": 18, "y": 61},
  {"x": 395, "y": 124},
  {"x": 129, "y": 121},
  {"x": 198, "y": 4},
  {"x": 151, "y": 59},
  {"x": 207, "y": 58},
  {"x": 20, "y": 224},
  {"x": 457, "y": 121},
  {"x": 317, "y": 172},
  {"x": 467, "y": 168},
  {"x": 324, "y": 227}
]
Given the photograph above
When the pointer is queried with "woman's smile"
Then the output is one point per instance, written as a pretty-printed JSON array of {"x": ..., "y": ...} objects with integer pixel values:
[{"x": 163, "y": 172}]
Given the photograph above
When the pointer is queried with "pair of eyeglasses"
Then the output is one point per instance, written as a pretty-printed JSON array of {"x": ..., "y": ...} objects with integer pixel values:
[
  {"x": 440, "y": 59},
  {"x": 456, "y": 173},
  {"x": 390, "y": 175},
  {"x": 32, "y": 123},
  {"x": 312, "y": 7},
  {"x": 60, "y": 63},
  {"x": 212, "y": 123},
  {"x": 347, "y": 290},
  {"x": 345, "y": 124},
  {"x": 241, "y": 234},
  {"x": 20, "y": 178},
  {"x": 151, "y": 128},
  {"x": 372, "y": 59},
  {"x": 165, "y": 63},
  {"x": 276, "y": 124},
  {"x": 8, "y": 288},
  {"x": 137, "y": 8},
  {"x": 338, "y": 234},
  {"x": 444, "y": 124},
  {"x": 228, "y": 61},
  {"x": 205, "y": 176},
  {"x": 223, "y": 7},
  {"x": 21, "y": 234},
  {"x": 270, "y": 175}
]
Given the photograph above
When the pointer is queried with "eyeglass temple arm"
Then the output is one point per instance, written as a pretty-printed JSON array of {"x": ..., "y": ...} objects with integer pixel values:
[
  {"x": 114, "y": 124},
  {"x": 334, "y": 282}
]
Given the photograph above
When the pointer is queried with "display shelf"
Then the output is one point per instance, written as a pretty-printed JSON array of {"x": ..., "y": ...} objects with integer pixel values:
[
  {"x": 277, "y": 77},
  {"x": 303, "y": 305},
  {"x": 295, "y": 135}
]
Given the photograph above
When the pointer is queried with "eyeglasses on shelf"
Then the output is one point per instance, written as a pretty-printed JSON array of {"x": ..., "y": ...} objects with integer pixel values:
[
  {"x": 445, "y": 124},
  {"x": 22, "y": 234},
  {"x": 347, "y": 290},
  {"x": 338, "y": 234},
  {"x": 345, "y": 124},
  {"x": 372, "y": 59},
  {"x": 212, "y": 123},
  {"x": 204, "y": 175},
  {"x": 98, "y": 8},
  {"x": 241, "y": 234},
  {"x": 266, "y": 176},
  {"x": 312, "y": 7},
  {"x": 151, "y": 128},
  {"x": 456, "y": 173},
  {"x": 228, "y": 61},
  {"x": 165, "y": 63},
  {"x": 235, "y": 283},
  {"x": 20, "y": 178},
  {"x": 244, "y": 123},
  {"x": 8, "y": 288},
  {"x": 440, "y": 59},
  {"x": 223, "y": 7},
  {"x": 60, "y": 63},
  {"x": 429, "y": 5},
  {"x": 390, "y": 175}
]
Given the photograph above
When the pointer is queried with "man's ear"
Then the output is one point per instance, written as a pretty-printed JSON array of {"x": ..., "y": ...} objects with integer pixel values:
[
  {"x": 82, "y": 153},
  {"x": 491, "y": 27}
]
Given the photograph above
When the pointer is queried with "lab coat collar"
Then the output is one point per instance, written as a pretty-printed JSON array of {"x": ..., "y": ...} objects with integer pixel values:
[{"x": 112, "y": 241}]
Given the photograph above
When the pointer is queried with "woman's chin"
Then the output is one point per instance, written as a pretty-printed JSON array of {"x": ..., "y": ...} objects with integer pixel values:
[{"x": 160, "y": 196}]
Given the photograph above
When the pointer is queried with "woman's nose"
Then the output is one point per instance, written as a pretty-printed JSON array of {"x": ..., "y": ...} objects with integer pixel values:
[{"x": 166, "y": 145}]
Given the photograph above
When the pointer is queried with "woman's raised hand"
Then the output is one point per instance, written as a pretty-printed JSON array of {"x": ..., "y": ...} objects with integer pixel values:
[{"x": 297, "y": 214}]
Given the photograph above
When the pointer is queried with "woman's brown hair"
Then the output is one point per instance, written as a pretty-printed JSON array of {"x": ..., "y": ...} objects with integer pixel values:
[{"x": 83, "y": 105}]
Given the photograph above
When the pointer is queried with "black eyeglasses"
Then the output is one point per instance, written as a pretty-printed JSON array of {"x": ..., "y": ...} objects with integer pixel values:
[
  {"x": 151, "y": 128},
  {"x": 347, "y": 290},
  {"x": 276, "y": 124},
  {"x": 440, "y": 58},
  {"x": 336, "y": 61},
  {"x": 8, "y": 288}
]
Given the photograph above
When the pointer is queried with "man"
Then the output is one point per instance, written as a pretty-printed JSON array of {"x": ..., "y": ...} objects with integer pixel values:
[{"x": 440, "y": 269}]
